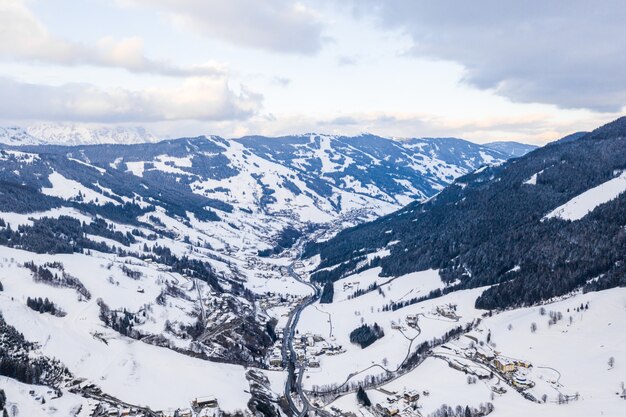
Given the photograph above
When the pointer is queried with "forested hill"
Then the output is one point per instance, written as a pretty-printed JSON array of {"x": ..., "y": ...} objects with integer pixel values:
[{"x": 540, "y": 226}]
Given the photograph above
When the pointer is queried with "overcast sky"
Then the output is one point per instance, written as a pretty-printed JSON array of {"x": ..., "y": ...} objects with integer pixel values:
[{"x": 482, "y": 69}]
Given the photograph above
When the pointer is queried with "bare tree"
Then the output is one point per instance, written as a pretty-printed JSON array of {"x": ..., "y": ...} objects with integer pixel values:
[{"x": 533, "y": 327}]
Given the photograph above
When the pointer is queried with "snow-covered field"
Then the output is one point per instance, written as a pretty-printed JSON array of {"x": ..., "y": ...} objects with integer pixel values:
[
  {"x": 335, "y": 321},
  {"x": 569, "y": 358}
]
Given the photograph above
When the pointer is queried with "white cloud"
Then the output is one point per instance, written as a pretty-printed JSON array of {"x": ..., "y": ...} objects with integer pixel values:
[
  {"x": 24, "y": 38},
  {"x": 278, "y": 25},
  {"x": 195, "y": 99},
  {"x": 570, "y": 54}
]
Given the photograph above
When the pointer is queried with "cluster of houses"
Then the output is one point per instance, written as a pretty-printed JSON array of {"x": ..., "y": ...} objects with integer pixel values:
[
  {"x": 277, "y": 300},
  {"x": 309, "y": 347},
  {"x": 199, "y": 407},
  {"x": 256, "y": 263},
  {"x": 399, "y": 404},
  {"x": 515, "y": 371},
  {"x": 448, "y": 311}
]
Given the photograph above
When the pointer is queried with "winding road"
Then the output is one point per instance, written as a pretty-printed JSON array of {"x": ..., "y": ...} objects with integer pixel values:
[{"x": 288, "y": 351}]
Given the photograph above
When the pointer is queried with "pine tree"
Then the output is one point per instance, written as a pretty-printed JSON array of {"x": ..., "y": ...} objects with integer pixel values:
[{"x": 362, "y": 397}]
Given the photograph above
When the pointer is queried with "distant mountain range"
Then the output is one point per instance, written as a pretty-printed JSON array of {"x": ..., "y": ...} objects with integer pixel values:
[
  {"x": 70, "y": 134},
  {"x": 74, "y": 134},
  {"x": 314, "y": 178},
  {"x": 515, "y": 149}
]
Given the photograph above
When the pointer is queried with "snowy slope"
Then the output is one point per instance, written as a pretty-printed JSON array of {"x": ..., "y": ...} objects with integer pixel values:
[
  {"x": 569, "y": 358},
  {"x": 583, "y": 204}
]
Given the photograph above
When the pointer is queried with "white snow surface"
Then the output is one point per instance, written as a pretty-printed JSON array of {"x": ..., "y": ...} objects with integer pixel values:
[
  {"x": 131, "y": 370},
  {"x": 583, "y": 204},
  {"x": 567, "y": 357},
  {"x": 69, "y": 189}
]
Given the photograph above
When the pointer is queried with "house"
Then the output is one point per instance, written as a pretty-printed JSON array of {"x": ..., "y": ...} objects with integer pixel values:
[
  {"x": 504, "y": 364},
  {"x": 314, "y": 363},
  {"x": 202, "y": 402},
  {"x": 411, "y": 396},
  {"x": 411, "y": 320},
  {"x": 186, "y": 412},
  {"x": 276, "y": 361},
  {"x": 523, "y": 364},
  {"x": 396, "y": 326}
]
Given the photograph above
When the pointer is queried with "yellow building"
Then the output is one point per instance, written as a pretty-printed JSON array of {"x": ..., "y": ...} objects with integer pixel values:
[{"x": 504, "y": 365}]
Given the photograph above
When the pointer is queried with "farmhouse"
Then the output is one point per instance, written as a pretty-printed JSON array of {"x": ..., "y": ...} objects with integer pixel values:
[
  {"x": 202, "y": 402},
  {"x": 411, "y": 320}
]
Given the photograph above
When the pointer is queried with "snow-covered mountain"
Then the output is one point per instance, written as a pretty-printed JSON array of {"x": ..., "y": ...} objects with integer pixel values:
[
  {"x": 168, "y": 276},
  {"x": 182, "y": 251},
  {"x": 16, "y": 136},
  {"x": 74, "y": 134}
]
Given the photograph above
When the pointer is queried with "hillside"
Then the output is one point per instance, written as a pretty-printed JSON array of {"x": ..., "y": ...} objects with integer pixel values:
[{"x": 494, "y": 226}]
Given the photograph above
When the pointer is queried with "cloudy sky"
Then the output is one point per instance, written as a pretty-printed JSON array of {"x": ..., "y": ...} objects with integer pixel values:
[{"x": 483, "y": 70}]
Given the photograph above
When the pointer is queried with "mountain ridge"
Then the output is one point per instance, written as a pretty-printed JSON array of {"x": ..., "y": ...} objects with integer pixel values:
[{"x": 65, "y": 134}]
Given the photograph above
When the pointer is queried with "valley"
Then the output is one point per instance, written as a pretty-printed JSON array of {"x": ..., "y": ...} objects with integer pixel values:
[{"x": 272, "y": 276}]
